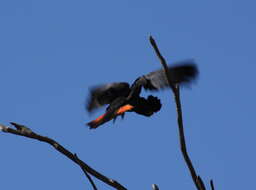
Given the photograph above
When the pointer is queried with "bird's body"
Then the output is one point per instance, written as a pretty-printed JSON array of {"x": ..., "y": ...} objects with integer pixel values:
[{"x": 122, "y": 97}]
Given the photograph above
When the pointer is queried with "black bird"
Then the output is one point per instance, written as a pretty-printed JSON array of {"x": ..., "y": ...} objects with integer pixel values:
[{"x": 122, "y": 97}]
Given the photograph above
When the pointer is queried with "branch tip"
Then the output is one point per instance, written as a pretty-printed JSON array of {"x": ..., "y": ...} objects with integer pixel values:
[
  {"x": 151, "y": 39},
  {"x": 2, "y": 127},
  {"x": 155, "y": 187},
  {"x": 22, "y": 128}
]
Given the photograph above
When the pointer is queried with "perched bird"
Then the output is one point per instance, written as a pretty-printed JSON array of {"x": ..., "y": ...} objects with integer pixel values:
[{"x": 121, "y": 97}]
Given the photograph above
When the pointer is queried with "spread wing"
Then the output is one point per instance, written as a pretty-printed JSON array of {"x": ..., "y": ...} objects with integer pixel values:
[
  {"x": 105, "y": 94},
  {"x": 183, "y": 72}
]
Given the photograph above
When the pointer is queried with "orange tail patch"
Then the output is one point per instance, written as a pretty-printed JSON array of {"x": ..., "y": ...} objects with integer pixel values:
[
  {"x": 105, "y": 118},
  {"x": 124, "y": 109},
  {"x": 97, "y": 122}
]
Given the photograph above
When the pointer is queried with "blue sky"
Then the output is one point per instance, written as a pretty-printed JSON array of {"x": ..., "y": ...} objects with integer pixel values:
[{"x": 52, "y": 51}]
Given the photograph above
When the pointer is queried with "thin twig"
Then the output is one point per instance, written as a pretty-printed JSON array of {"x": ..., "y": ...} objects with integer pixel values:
[
  {"x": 182, "y": 138},
  {"x": 86, "y": 174},
  {"x": 163, "y": 62},
  {"x": 26, "y": 132},
  {"x": 212, "y": 186},
  {"x": 179, "y": 117},
  {"x": 155, "y": 187}
]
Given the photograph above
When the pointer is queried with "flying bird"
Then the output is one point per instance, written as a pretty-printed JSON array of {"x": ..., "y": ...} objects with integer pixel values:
[{"x": 121, "y": 97}]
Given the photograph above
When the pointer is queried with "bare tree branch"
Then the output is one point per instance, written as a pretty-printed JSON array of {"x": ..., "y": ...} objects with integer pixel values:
[
  {"x": 200, "y": 183},
  {"x": 163, "y": 62},
  {"x": 155, "y": 187},
  {"x": 22, "y": 130},
  {"x": 86, "y": 174},
  {"x": 212, "y": 186},
  {"x": 179, "y": 118}
]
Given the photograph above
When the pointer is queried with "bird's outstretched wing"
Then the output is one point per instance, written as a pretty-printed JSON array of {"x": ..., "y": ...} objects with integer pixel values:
[
  {"x": 105, "y": 94},
  {"x": 183, "y": 72}
]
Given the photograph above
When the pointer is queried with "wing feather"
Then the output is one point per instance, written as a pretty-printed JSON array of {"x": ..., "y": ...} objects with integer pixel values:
[
  {"x": 105, "y": 94},
  {"x": 183, "y": 73}
]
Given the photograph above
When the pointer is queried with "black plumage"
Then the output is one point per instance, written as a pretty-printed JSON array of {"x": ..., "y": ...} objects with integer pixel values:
[{"x": 121, "y": 97}]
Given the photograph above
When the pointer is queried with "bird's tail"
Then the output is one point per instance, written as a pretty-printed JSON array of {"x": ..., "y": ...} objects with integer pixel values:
[
  {"x": 97, "y": 122},
  {"x": 109, "y": 116}
]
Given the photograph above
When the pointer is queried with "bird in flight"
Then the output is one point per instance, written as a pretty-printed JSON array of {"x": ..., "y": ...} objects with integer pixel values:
[{"x": 121, "y": 97}]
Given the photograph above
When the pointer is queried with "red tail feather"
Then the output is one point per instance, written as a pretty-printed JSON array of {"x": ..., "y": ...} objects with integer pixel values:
[{"x": 107, "y": 117}]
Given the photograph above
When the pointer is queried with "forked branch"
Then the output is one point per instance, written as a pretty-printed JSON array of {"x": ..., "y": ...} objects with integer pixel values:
[{"x": 22, "y": 130}]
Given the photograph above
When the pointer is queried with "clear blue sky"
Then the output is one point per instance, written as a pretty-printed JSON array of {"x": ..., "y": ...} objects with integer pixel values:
[{"x": 52, "y": 51}]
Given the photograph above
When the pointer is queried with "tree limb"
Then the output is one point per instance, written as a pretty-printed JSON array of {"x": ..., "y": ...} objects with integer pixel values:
[
  {"x": 212, "y": 186},
  {"x": 155, "y": 187},
  {"x": 198, "y": 182},
  {"x": 86, "y": 174},
  {"x": 22, "y": 130}
]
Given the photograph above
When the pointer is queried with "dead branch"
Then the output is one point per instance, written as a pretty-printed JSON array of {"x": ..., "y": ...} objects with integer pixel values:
[
  {"x": 155, "y": 187},
  {"x": 196, "y": 179},
  {"x": 24, "y": 131},
  {"x": 86, "y": 174},
  {"x": 212, "y": 186}
]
